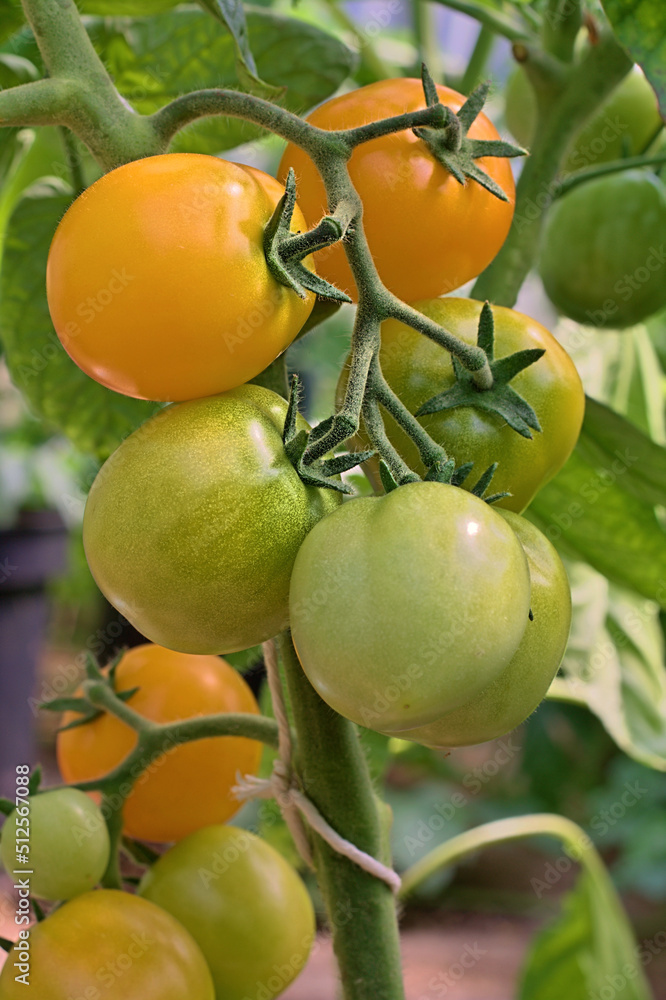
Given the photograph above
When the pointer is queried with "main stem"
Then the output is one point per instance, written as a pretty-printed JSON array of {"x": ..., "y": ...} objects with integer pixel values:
[{"x": 361, "y": 909}]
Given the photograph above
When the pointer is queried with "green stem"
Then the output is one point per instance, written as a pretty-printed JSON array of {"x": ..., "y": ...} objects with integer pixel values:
[
  {"x": 73, "y": 161},
  {"x": 361, "y": 909},
  {"x": 425, "y": 32},
  {"x": 501, "y": 23},
  {"x": 476, "y": 67},
  {"x": 112, "y": 810},
  {"x": 603, "y": 169},
  {"x": 562, "y": 21},
  {"x": 587, "y": 85}
]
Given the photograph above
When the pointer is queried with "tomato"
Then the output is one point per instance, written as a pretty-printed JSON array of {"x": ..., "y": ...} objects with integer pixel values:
[
  {"x": 602, "y": 256},
  {"x": 404, "y": 606},
  {"x": 157, "y": 282},
  {"x": 428, "y": 234},
  {"x": 243, "y": 904},
  {"x": 189, "y": 786},
  {"x": 67, "y": 843},
  {"x": 417, "y": 369},
  {"x": 629, "y": 117},
  {"x": 107, "y": 944},
  {"x": 192, "y": 526},
  {"x": 514, "y": 695}
]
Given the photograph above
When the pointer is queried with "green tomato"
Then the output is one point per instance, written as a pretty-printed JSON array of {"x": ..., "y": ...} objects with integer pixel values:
[
  {"x": 243, "y": 903},
  {"x": 67, "y": 841},
  {"x": 628, "y": 118},
  {"x": 106, "y": 945},
  {"x": 416, "y": 369},
  {"x": 520, "y": 687},
  {"x": 193, "y": 524},
  {"x": 602, "y": 256},
  {"x": 405, "y": 606}
]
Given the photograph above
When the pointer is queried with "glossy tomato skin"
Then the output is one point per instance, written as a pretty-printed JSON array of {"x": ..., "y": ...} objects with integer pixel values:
[
  {"x": 113, "y": 945},
  {"x": 68, "y": 840},
  {"x": 417, "y": 369},
  {"x": 428, "y": 234},
  {"x": 404, "y": 606},
  {"x": 629, "y": 116},
  {"x": 523, "y": 684},
  {"x": 192, "y": 526},
  {"x": 242, "y": 902},
  {"x": 173, "y": 797},
  {"x": 602, "y": 258},
  {"x": 157, "y": 281}
]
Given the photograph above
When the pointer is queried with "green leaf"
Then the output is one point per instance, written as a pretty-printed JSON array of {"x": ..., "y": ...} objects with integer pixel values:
[
  {"x": 232, "y": 15},
  {"x": 125, "y": 8},
  {"x": 157, "y": 59},
  {"x": 600, "y": 507},
  {"x": 589, "y": 952},
  {"x": 95, "y": 418},
  {"x": 614, "y": 664},
  {"x": 640, "y": 26},
  {"x": 11, "y": 18}
]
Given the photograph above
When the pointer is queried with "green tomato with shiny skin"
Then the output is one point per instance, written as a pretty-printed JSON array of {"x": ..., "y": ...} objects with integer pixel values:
[
  {"x": 602, "y": 254},
  {"x": 244, "y": 905},
  {"x": 192, "y": 526},
  {"x": 405, "y": 606},
  {"x": 523, "y": 684},
  {"x": 416, "y": 369},
  {"x": 67, "y": 843},
  {"x": 629, "y": 118}
]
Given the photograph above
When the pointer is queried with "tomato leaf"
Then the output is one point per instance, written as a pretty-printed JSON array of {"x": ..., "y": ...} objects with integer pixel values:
[
  {"x": 95, "y": 418},
  {"x": 600, "y": 507},
  {"x": 640, "y": 26},
  {"x": 232, "y": 15},
  {"x": 588, "y": 949},
  {"x": 11, "y": 18},
  {"x": 155, "y": 60},
  {"x": 614, "y": 664}
]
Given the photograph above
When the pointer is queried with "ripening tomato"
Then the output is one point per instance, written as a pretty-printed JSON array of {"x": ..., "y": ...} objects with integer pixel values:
[
  {"x": 243, "y": 904},
  {"x": 157, "y": 281},
  {"x": 515, "y": 694},
  {"x": 188, "y": 786},
  {"x": 416, "y": 369},
  {"x": 192, "y": 526},
  {"x": 107, "y": 944},
  {"x": 428, "y": 234},
  {"x": 405, "y": 606}
]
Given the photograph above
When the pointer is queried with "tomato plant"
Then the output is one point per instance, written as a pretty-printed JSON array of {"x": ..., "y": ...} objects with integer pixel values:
[
  {"x": 416, "y": 585},
  {"x": 67, "y": 843},
  {"x": 192, "y": 527},
  {"x": 170, "y": 798},
  {"x": 602, "y": 259},
  {"x": 516, "y": 692},
  {"x": 439, "y": 247},
  {"x": 246, "y": 908},
  {"x": 110, "y": 944},
  {"x": 157, "y": 282},
  {"x": 624, "y": 124},
  {"x": 417, "y": 369}
]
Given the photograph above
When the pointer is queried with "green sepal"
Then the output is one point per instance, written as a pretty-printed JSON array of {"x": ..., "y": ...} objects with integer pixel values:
[
  {"x": 6, "y": 806},
  {"x": 482, "y": 484},
  {"x": 35, "y": 780},
  {"x": 284, "y": 250},
  {"x": 6, "y": 945},
  {"x": 388, "y": 481},
  {"x": 440, "y": 472},
  {"x": 88, "y": 714},
  {"x": 296, "y": 441},
  {"x": 344, "y": 462},
  {"x": 93, "y": 671},
  {"x": 500, "y": 399},
  {"x": 65, "y": 705},
  {"x": 141, "y": 853},
  {"x": 450, "y": 145}
]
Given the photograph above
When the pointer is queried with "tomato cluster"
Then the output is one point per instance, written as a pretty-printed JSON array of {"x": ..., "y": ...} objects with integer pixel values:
[{"x": 423, "y": 612}]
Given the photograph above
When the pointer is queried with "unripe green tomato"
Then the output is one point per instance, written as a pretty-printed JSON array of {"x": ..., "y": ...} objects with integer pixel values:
[
  {"x": 405, "y": 606},
  {"x": 629, "y": 116},
  {"x": 602, "y": 255},
  {"x": 416, "y": 369},
  {"x": 243, "y": 904},
  {"x": 107, "y": 945},
  {"x": 192, "y": 525},
  {"x": 67, "y": 839},
  {"x": 522, "y": 685}
]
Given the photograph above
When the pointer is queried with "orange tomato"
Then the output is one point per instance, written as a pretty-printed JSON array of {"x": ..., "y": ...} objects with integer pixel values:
[
  {"x": 157, "y": 282},
  {"x": 428, "y": 234},
  {"x": 188, "y": 786}
]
